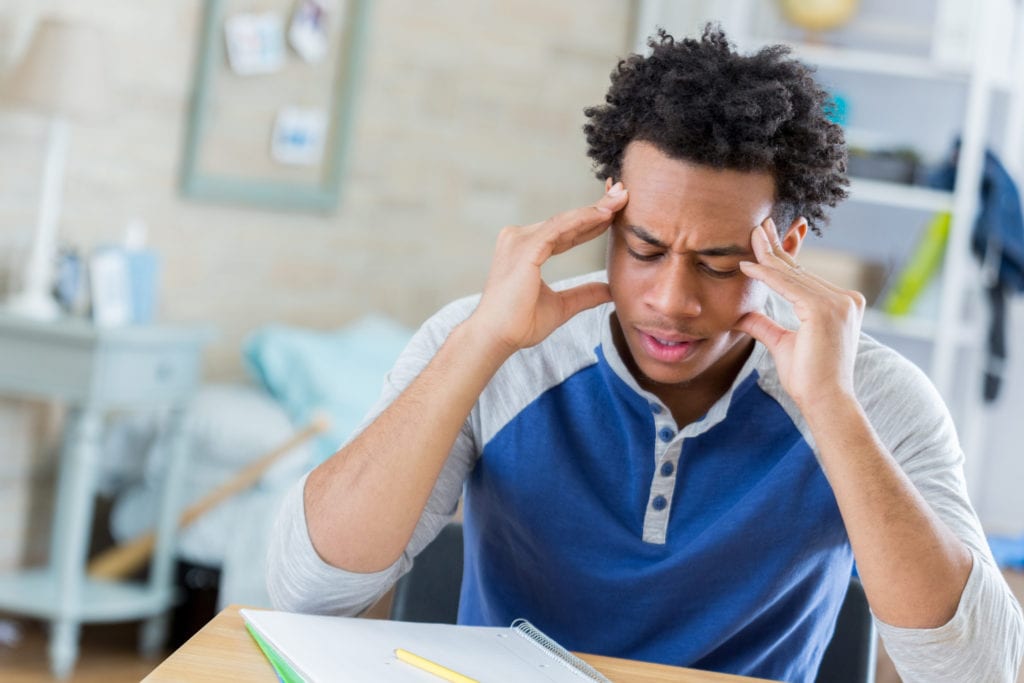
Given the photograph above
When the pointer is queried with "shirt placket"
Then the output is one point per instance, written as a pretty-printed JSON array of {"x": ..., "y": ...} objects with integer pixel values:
[{"x": 668, "y": 444}]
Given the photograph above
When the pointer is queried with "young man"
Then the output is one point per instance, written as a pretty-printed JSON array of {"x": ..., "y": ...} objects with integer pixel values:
[{"x": 679, "y": 465}]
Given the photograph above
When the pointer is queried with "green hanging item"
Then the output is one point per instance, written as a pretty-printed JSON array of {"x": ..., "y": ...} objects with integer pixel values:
[{"x": 921, "y": 267}]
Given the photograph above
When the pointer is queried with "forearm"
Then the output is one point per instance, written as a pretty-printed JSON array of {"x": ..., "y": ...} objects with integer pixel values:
[
  {"x": 912, "y": 565},
  {"x": 363, "y": 504}
]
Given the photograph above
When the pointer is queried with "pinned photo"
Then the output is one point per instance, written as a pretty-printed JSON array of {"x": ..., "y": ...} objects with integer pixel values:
[
  {"x": 298, "y": 138},
  {"x": 308, "y": 30},
  {"x": 255, "y": 43}
]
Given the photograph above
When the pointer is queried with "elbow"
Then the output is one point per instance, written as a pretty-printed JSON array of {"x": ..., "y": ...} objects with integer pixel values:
[
  {"x": 283, "y": 591},
  {"x": 278, "y": 590},
  {"x": 1016, "y": 639}
]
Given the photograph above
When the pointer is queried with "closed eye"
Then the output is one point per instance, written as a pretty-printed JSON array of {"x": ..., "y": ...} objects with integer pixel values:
[
  {"x": 643, "y": 257},
  {"x": 719, "y": 273}
]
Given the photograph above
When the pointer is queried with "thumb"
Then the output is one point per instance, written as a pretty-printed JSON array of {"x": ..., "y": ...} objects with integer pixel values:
[
  {"x": 583, "y": 297},
  {"x": 762, "y": 328}
]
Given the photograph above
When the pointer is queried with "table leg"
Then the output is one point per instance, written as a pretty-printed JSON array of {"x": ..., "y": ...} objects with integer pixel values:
[
  {"x": 153, "y": 635},
  {"x": 72, "y": 527},
  {"x": 63, "y": 646},
  {"x": 161, "y": 576}
]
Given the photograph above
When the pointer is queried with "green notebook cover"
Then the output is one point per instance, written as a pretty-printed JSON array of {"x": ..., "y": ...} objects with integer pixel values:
[{"x": 284, "y": 672}]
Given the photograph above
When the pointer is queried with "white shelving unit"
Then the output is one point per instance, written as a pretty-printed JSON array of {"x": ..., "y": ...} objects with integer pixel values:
[
  {"x": 902, "y": 196},
  {"x": 955, "y": 331}
]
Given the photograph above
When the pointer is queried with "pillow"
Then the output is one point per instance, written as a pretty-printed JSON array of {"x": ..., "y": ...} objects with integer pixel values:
[
  {"x": 339, "y": 372},
  {"x": 227, "y": 426},
  {"x": 234, "y": 424}
]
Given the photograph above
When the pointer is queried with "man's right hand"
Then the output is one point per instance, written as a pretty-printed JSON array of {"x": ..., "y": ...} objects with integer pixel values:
[{"x": 517, "y": 308}]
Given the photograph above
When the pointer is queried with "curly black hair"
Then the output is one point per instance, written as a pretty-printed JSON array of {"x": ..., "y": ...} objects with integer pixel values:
[{"x": 699, "y": 100}]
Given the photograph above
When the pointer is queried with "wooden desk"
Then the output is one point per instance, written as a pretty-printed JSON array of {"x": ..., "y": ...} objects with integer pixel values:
[
  {"x": 223, "y": 651},
  {"x": 95, "y": 371}
]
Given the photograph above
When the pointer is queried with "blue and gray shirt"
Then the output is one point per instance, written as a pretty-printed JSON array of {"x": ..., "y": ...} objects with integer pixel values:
[{"x": 716, "y": 545}]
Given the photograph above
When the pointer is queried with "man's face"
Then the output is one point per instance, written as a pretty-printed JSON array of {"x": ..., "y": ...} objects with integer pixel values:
[{"x": 673, "y": 268}]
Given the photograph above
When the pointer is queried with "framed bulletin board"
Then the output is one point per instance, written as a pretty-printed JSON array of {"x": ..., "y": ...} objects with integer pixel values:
[{"x": 272, "y": 101}]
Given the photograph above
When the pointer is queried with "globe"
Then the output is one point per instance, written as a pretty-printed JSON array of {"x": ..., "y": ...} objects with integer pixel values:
[{"x": 818, "y": 15}]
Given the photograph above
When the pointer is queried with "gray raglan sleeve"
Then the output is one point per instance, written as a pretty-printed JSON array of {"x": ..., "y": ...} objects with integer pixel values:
[
  {"x": 298, "y": 579},
  {"x": 984, "y": 640}
]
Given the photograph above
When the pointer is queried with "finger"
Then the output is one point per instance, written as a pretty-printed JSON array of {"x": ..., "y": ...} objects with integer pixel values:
[
  {"x": 565, "y": 240},
  {"x": 788, "y": 280},
  {"x": 763, "y": 329},
  {"x": 832, "y": 287},
  {"x": 614, "y": 198},
  {"x": 572, "y": 228},
  {"x": 769, "y": 253},
  {"x": 783, "y": 259},
  {"x": 806, "y": 295},
  {"x": 772, "y": 233},
  {"x": 582, "y": 297}
]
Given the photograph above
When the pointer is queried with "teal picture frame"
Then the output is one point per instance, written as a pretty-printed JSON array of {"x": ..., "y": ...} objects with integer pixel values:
[{"x": 273, "y": 188}]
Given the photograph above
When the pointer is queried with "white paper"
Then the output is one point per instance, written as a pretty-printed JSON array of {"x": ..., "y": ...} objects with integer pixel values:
[{"x": 327, "y": 649}]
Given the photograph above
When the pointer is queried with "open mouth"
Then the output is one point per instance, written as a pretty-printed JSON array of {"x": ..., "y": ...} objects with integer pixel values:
[{"x": 667, "y": 349}]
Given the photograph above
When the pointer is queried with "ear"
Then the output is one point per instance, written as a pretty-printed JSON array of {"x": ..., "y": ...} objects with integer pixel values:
[
  {"x": 607, "y": 183},
  {"x": 794, "y": 236}
]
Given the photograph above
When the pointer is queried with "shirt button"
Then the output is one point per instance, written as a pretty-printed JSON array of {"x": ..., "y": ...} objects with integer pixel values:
[
  {"x": 659, "y": 503},
  {"x": 656, "y": 409},
  {"x": 666, "y": 434},
  {"x": 667, "y": 469}
]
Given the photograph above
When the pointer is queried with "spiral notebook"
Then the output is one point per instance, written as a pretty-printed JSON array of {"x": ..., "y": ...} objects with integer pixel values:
[{"x": 318, "y": 649}]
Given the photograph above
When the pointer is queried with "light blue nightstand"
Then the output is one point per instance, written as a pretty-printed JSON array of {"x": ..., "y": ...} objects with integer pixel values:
[{"x": 94, "y": 371}]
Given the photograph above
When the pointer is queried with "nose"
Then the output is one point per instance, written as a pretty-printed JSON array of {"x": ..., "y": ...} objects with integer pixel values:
[{"x": 674, "y": 291}]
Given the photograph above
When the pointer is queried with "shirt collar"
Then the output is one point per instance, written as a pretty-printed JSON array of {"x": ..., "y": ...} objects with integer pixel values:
[{"x": 774, "y": 309}]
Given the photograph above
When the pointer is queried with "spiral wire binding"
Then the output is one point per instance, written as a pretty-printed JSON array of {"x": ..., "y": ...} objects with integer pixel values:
[{"x": 528, "y": 630}]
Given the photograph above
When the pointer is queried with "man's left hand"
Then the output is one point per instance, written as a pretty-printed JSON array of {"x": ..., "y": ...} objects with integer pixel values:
[{"x": 815, "y": 361}]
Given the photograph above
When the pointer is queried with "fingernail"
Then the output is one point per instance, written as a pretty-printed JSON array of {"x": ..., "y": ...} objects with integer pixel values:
[{"x": 616, "y": 190}]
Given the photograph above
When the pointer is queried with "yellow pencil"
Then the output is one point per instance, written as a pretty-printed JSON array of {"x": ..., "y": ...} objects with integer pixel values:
[{"x": 432, "y": 667}]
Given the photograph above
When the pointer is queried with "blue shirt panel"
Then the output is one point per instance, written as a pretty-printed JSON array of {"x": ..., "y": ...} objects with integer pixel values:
[{"x": 756, "y": 561}]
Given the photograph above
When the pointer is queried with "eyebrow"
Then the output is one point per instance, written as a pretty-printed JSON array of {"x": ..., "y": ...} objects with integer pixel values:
[{"x": 727, "y": 250}]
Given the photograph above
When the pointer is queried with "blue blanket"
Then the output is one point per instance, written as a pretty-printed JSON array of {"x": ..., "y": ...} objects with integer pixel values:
[{"x": 339, "y": 372}]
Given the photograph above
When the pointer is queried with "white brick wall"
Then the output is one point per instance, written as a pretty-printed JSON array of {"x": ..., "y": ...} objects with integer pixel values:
[{"x": 469, "y": 119}]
